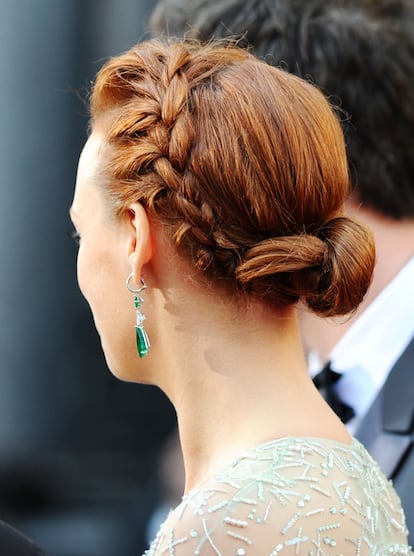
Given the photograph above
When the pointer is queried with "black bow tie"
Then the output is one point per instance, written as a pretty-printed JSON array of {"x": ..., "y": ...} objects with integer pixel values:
[{"x": 324, "y": 382}]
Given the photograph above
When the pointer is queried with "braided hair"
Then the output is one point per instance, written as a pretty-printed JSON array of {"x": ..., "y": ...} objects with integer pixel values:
[
  {"x": 360, "y": 52},
  {"x": 245, "y": 165}
]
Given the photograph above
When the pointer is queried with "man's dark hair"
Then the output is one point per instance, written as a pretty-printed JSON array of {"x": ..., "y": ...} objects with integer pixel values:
[{"x": 359, "y": 52}]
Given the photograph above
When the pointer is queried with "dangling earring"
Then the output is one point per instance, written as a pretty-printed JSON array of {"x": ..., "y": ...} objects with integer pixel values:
[{"x": 143, "y": 343}]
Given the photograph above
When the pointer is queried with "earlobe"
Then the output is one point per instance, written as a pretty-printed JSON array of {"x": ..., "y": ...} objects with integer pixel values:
[{"x": 140, "y": 244}]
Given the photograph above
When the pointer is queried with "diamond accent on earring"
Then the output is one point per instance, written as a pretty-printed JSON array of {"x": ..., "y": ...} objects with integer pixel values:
[{"x": 140, "y": 319}]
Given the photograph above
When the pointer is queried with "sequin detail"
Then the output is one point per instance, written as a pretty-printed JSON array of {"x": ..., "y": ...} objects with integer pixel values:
[{"x": 307, "y": 496}]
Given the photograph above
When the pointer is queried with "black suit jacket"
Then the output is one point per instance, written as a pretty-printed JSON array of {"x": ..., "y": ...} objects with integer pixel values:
[
  {"x": 388, "y": 431},
  {"x": 13, "y": 543}
]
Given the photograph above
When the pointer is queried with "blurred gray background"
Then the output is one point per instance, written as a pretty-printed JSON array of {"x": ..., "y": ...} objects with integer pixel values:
[{"x": 78, "y": 449}]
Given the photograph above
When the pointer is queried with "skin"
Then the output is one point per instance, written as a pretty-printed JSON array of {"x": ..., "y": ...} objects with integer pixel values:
[
  {"x": 235, "y": 371},
  {"x": 103, "y": 259}
]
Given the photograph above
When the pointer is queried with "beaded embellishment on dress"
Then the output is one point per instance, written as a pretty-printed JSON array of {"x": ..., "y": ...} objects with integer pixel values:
[{"x": 307, "y": 496}]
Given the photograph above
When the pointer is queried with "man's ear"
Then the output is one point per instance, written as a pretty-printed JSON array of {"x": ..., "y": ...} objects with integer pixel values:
[{"x": 140, "y": 241}]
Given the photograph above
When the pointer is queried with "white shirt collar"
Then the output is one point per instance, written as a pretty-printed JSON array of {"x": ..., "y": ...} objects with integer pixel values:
[
  {"x": 382, "y": 332},
  {"x": 369, "y": 349}
]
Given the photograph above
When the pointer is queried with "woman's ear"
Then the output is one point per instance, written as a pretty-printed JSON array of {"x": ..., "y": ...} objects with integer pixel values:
[{"x": 140, "y": 241}]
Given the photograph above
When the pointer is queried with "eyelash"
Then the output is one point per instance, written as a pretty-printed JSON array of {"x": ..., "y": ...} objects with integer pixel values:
[{"x": 73, "y": 234}]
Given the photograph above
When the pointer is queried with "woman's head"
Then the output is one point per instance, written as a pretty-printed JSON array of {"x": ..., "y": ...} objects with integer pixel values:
[{"x": 243, "y": 163}]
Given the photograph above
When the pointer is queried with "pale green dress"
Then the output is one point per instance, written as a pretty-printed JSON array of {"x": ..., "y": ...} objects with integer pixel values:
[{"x": 307, "y": 496}]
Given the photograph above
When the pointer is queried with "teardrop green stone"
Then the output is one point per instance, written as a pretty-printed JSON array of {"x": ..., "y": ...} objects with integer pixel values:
[{"x": 143, "y": 344}]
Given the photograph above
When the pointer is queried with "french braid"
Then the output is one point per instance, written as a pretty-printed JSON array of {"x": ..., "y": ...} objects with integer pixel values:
[
  {"x": 157, "y": 132},
  {"x": 244, "y": 164}
]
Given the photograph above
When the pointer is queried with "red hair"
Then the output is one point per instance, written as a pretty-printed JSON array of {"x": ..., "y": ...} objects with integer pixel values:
[{"x": 246, "y": 164}]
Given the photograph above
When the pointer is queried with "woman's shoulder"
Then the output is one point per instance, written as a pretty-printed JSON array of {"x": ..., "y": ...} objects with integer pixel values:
[{"x": 289, "y": 496}]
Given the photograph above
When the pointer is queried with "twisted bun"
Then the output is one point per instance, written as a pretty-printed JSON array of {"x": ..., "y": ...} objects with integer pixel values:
[
  {"x": 244, "y": 163},
  {"x": 330, "y": 273}
]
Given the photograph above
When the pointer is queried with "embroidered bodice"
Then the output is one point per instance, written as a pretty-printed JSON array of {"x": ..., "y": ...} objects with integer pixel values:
[{"x": 307, "y": 496}]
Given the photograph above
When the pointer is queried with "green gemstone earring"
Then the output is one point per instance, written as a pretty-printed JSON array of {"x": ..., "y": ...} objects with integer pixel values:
[{"x": 143, "y": 343}]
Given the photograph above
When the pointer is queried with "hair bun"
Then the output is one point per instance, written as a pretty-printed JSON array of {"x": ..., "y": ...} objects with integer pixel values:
[
  {"x": 330, "y": 271},
  {"x": 347, "y": 271}
]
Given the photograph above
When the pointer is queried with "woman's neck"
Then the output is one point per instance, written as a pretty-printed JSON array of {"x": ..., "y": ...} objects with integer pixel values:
[{"x": 236, "y": 382}]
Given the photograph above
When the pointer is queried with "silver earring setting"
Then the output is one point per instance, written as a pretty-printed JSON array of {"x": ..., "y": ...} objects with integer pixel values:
[{"x": 143, "y": 343}]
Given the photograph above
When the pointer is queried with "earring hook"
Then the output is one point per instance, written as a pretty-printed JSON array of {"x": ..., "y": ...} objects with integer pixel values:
[{"x": 135, "y": 290}]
